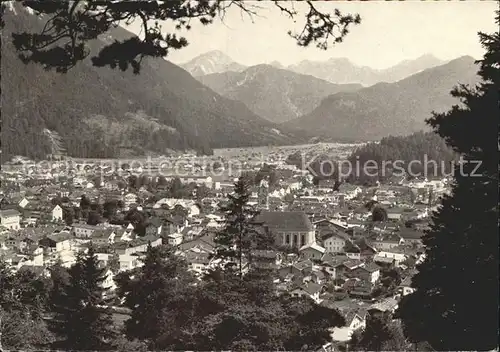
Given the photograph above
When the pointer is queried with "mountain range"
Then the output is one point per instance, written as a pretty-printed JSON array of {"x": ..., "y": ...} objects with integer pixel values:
[
  {"x": 99, "y": 112},
  {"x": 334, "y": 70},
  {"x": 384, "y": 109},
  {"x": 276, "y": 94},
  {"x": 343, "y": 71}
]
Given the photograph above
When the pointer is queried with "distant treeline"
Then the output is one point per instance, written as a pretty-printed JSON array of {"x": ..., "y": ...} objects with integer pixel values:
[{"x": 421, "y": 154}]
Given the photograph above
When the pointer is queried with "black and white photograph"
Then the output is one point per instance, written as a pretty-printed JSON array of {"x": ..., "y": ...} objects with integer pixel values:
[{"x": 245, "y": 175}]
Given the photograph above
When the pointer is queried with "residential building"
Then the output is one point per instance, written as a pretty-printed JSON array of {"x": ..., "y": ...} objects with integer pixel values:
[
  {"x": 10, "y": 218},
  {"x": 129, "y": 261},
  {"x": 129, "y": 199},
  {"x": 312, "y": 251},
  {"x": 368, "y": 272},
  {"x": 388, "y": 257},
  {"x": 103, "y": 236},
  {"x": 84, "y": 231},
  {"x": 387, "y": 242},
  {"x": 310, "y": 289},
  {"x": 57, "y": 242},
  {"x": 57, "y": 213},
  {"x": 174, "y": 239},
  {"x": 405, "y": 287},
  {"x": 335, "y": 243}
]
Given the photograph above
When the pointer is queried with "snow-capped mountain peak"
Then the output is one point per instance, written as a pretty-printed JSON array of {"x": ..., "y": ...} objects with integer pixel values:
[{"x": 212, "y": 62}]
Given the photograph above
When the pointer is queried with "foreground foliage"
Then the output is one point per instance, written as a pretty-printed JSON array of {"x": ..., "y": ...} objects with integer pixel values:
[
  {"x": 456, "y": 299},
  {"x": 70, "y": 26}
]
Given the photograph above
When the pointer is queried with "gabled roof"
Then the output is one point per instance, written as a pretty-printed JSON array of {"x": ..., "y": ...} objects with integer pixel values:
[
  {"x": 311, "y": 288},
  {"x": 9, "y": 212},
  {"x": 313, "y": 246},
  {"x": 334, "y": 260},
  {"x": 60, "y": 237},
  {"x": 410, "y": 234},
  {"x": 381, "y": 259},
  {"x": 351, "y": 264},
  {"x": 371, "y": 267},
  {"x": 102, "y": 233},
  {"x": 198, "y": 258},
  {"x": 406, "y": 282},
  {"x": 286, "y": 221},
  {"x": 390, "y": 238},
  {"x": 305, "y": 264},
  {"x": 387, "y": 304},
  {"x": 337, "y": 234}
]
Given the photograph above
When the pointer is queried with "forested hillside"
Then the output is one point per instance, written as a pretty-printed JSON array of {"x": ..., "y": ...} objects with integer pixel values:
[
  {"x": 277, "y": 95},
  {"x": 385, "y": 109},
  {"x": 417, "y": 148},
  {"x": 97, "y": 112}
]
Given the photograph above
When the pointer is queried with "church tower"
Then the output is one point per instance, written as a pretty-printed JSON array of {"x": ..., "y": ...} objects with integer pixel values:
[{"x": 263, "y": 195}]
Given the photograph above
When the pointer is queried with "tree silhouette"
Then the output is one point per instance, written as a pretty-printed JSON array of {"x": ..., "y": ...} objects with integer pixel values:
[
  {"x": 149, "y": 290},
  {"x": 379, "y": 214},
  {"x": 233, "y": 243},
  {"x": 84, "y": 203},
  {"x": 456, "y": 299},
  {"x": 68, "y": 215},
  {"x": 380, "y": 334},
  {"x": 82, "y": 319},
  {"x": 71, "y": 25}
]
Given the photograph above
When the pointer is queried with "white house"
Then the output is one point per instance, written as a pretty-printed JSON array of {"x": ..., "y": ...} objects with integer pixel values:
[
  {"x": 198, "y": 262},
  {"x": 392, "y": 257},
  {"x": 57, "y": 242},
  {"x": 36, "y": 257},
  {"x": 355, "y": 319},
  {"x": 335, "y": 243},
  {"x": 10, "y": 218},
  {"x": 57, "y": 213},
  {"x": 312, "y": 251},
  {"x": 174, "y": 239},
  {"x": 129, "y": 199},
  {"x": 405, "y": 287},
  {"x": 129, "y": 262},
  {"x": 310, "y": 289},
  {"x": 108, "y": 283},
  {"x": 103, "y": 236},
  {"x": 84, "y": 230}
]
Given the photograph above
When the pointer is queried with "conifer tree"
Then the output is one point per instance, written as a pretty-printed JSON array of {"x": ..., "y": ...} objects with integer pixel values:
[
  {"x": 234, "y": 242},
  {"x": 379, "y": 214},
  {"x": 114, "y": 263},
  {"x": 455, "y": 306},
  {"x": 82, "y": 318},
  {"x": 380, "y": 334},
  {"x": 23, "y": 298},
  {"x": 149, "y": 290}
]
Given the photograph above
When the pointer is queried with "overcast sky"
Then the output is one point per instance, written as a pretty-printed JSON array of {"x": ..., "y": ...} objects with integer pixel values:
[{"x": 389, "y": 33}]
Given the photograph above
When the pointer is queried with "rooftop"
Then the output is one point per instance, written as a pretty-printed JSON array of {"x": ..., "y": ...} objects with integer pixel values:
[
  {"x": 286, "y": 221},
  {"x": 387, "y": 304},
  {"x": 314, "y": 246},
  {"x": 9, "y": 212}
]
